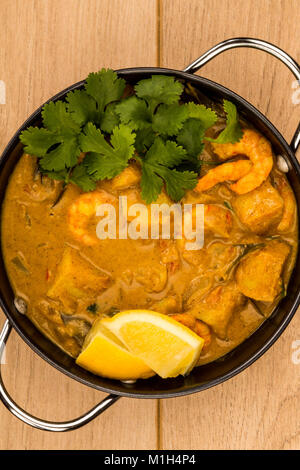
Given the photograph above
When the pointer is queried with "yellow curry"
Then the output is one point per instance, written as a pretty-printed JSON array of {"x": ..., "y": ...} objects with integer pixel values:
[
  {"x": 128, "y": 306},
  {"x": 223, "y": 292}
]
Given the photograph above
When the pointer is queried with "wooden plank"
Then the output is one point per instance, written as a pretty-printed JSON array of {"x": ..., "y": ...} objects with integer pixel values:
[
  {"x": 51, "y": 44},
  {"x": 45, "y": 46},
  {"x": 189, "y": 28},
  {"x": 259, "y": 408}
]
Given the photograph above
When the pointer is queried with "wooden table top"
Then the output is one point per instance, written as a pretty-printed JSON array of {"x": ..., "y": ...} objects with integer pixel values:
[{"x": 47, "y": 45}]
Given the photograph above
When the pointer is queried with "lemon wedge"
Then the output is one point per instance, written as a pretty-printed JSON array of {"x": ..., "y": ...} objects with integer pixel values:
[
  {"x": 165, "y": 345},
  {"x": 104, "y": 354}
]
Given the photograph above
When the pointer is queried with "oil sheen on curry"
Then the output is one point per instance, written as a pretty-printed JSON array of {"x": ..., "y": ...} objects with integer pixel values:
[{"x": 69, "y": 278}]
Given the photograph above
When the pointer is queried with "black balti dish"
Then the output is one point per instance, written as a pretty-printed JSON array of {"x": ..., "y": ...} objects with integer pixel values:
[{"x": 202, "y": 377}]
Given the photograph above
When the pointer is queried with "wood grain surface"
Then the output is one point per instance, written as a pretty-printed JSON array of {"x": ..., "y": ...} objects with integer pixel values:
[
  {"x": 258, "y": 409},
  {"x": 47, "y": 45}
]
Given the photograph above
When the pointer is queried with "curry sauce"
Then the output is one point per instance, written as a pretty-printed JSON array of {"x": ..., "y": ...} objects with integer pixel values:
[{"x": 229, "y": 286}]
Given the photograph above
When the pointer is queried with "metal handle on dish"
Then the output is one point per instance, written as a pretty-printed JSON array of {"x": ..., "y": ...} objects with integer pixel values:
[
  {"x": 39, "y": 423},
  {"x": 255, "y": 44}
]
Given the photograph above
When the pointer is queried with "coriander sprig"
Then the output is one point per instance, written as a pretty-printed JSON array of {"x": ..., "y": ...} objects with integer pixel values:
[
  {"x": 94, "y": 134},
  {"x": 158, "y": 166}
]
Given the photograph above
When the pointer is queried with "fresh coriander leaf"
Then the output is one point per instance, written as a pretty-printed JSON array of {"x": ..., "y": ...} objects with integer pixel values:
[
  {"x": 61, "y": 133},
  {"x": 109, "y": 119},
  {"x": 100, "y": 168},
  {"x": 206, "y": 116},
  {"x": 92, "y": 140},
  {"x": 177, "y": 182},
  {"x": 105, "y": 87},
  {"x": 122, "y": 139},
  {"x": 191, "y": 137},
  {"x": 57, "y": 175},
  {"x": 82, "y": 107},
  {"x": 144, "y": 139},
  {"x": 80, "y": 177},
  {"x": 159, "y": 89},
  {"x": 134, "y": 112},
  {"x": 151, "y": 183},
  {"x": 37, "y": 141},
  {"x": 166, "y": 153},
  {"x": 232, "y": 132},
  {"x": 56, "y": 118},
  {"x": 171, "y": 153},
  {"x": 107, "y": 160},
  {"x": 64, "y": 155},
  {"x": 158, "y": 166},
  {"x": 168, "y": 119}
]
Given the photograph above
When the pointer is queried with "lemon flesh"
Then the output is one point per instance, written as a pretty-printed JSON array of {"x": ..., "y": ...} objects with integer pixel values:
[
  {"x": 165, "y": 345},
  {"x": 104, "y": 354}
]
